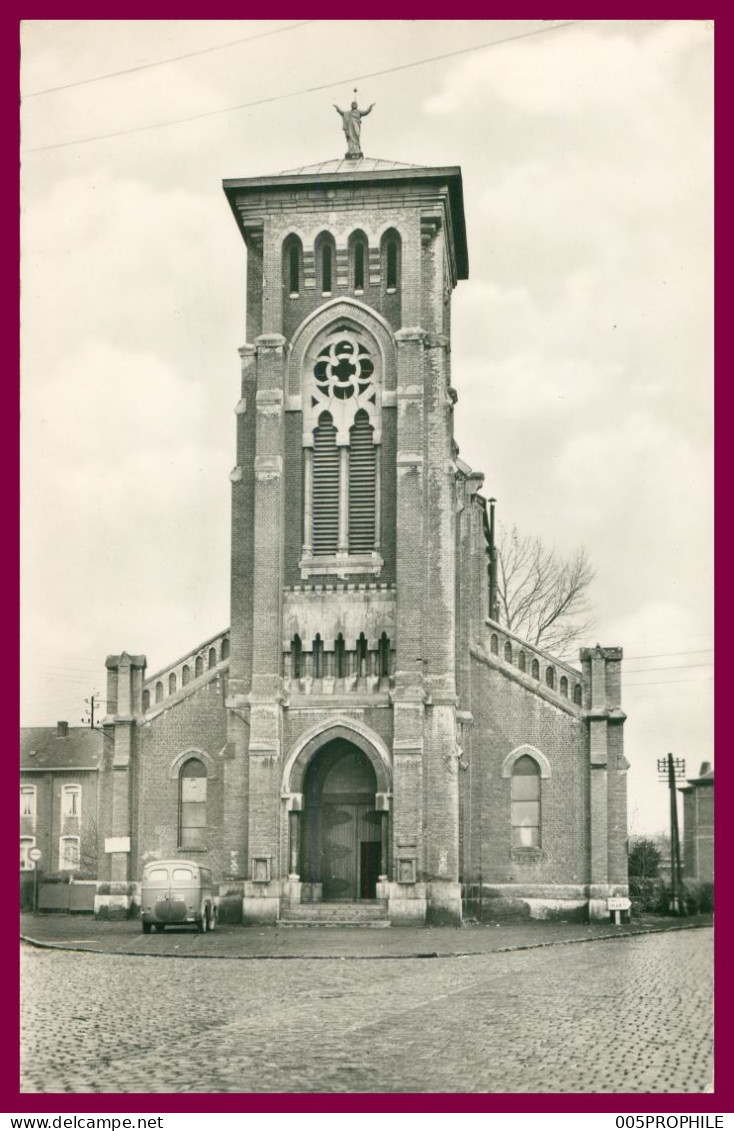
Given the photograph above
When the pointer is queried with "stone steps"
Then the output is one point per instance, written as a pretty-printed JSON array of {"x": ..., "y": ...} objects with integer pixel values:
[{"x": 366, "y": 913}]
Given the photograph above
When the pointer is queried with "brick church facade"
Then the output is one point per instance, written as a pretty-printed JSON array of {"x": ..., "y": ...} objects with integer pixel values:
[{"x": 363, "y": 730}]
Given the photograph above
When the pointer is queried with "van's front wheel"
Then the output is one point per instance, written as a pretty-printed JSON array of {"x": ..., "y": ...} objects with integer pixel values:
[{"x": 146, "y": 928}]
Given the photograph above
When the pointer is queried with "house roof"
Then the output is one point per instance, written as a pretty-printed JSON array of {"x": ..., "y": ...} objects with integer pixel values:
[{"x": 44, "y": 748}]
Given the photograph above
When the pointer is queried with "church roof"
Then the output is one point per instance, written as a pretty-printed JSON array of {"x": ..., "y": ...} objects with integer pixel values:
[
  {"x": 344, "y": 165},
  {"x": 365, "y": 171}
]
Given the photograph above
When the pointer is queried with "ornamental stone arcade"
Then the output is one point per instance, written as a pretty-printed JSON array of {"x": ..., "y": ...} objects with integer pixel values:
[{"x": 363, "y": 735}]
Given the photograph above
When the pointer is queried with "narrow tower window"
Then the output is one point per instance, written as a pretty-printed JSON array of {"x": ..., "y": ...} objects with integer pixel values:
[
  {"x": 325, "y": 486},
  {"x": 361, "y": 485}
]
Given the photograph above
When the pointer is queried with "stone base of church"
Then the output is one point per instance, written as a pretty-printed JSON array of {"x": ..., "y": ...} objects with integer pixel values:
[
  {"x": 563, "y": 902},
  {"x": 261, "y": 902},
  {"x": 406, "y": 903},
  {"x": 444, "y": 904}
]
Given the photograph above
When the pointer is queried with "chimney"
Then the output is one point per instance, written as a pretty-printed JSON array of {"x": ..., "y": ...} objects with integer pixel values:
[
  {"x": 705, "y": 769},
  {"x": 62, "y": 730}
]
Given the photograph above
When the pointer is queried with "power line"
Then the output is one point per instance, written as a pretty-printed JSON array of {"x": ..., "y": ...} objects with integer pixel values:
[
  {"x": 304, "y": 90},
  {"x": 653, "y": 682},
  {"x": 165, "y": 62},
  {"x": 662, "y": 655},
  {"x": 667, "y": 668}
]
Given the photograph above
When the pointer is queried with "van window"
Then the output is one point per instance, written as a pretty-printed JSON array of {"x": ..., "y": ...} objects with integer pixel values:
[
  {"x": 182, "y": 874},
  {"x": 158, "y": 876}
]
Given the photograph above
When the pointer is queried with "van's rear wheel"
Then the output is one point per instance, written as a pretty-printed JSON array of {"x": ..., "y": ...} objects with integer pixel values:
[
  {"x": 146, "y": 928},
  {"x": 160, "y": 927}
]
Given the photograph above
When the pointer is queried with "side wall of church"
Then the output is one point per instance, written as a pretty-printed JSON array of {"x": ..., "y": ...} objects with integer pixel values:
[
  {"x": 508, "y": 716},
  {"x": 195, "y": 725}
]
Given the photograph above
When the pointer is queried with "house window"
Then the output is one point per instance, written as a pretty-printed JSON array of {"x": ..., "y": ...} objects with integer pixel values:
[
  {"x": 71, "y": 801},
  {"x": 525, "y": 803},
  {"x": 68, "y": 853},
  {"x": 28, "y": 802},
  {"x": 26, "y": 844},
  {"x": 192, "y": 805}
]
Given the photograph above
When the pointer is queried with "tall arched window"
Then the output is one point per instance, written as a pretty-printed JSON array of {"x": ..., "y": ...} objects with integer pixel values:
[
  {"x": 292, "y": 266},
  {"x": 341, "y": 465},
  {"x": 158, "y": 691},
  {"x": 192, "y": 804},
  {"x": 225, "y": 648},
  {"x": 358, "y": 253},
  {"x": 390, "y": 256},
  {"x": 361, "y": 485},
  {"x": 325, "y": 251},
  {"x": 212, "y": 657},
  {"x": 525, "y": 803},
  {"x": 325, "y": 486},
  {"x": 185, "y": 675},
  {"x": 172, "y": 683},
  {"x": 199, "y": 666}
]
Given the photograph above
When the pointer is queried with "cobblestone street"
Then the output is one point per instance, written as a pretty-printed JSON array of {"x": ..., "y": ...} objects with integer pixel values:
[{"x": 600, "y": 1016}]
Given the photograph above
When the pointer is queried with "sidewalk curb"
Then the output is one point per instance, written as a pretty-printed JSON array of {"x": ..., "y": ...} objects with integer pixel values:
[{"x": 42, "y": 944}]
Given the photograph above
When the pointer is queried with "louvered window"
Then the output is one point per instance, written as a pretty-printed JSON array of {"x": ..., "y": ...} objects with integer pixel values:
[
  {"x": 361, "y": 485},
  {"x": 325, "y": 487}
]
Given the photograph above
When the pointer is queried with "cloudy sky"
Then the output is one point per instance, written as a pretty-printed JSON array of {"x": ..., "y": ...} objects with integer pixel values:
[{"x": 582, "y": 341}]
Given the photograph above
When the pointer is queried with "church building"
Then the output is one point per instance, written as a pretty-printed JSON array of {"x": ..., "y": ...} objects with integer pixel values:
[{"x": 364, "y": 737}]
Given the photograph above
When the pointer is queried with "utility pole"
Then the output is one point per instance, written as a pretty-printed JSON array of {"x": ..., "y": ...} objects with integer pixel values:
[
  {"x": 93, "y": 701},
  {"x": 669, "y": 769}
]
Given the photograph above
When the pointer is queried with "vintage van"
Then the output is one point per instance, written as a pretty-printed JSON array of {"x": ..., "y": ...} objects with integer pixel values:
[{"x": 176, "y": 893}]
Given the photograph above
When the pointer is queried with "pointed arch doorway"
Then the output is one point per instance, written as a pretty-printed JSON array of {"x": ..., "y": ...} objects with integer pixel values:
[{"x": 341, "y": 830}]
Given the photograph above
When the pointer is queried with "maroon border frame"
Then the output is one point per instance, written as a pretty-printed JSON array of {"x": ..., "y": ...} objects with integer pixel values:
[{"x": 720, "y": 1101}]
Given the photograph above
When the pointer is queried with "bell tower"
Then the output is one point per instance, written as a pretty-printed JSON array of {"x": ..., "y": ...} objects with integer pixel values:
[{"x": 343, "y": 539}]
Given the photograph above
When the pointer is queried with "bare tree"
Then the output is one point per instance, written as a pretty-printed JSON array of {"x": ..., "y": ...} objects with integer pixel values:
[{"x": 542, "y": 596}]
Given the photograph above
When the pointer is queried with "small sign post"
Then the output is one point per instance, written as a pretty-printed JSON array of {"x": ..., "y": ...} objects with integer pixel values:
[
  {"x": 618, "y": 904},
  {"x": 34, "y": 855}
]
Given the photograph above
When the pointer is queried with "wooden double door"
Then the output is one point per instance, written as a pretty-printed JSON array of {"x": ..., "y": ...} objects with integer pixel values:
[{"x": 340, "y": 837}]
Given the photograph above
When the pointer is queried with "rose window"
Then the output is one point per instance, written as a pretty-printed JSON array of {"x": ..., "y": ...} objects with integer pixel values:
[{"x": 343, "y": 369}]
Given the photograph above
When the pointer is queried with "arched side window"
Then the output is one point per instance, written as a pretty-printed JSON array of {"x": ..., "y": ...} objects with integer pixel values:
[
  {"x": 318, "y": 657},
  {"x": 146, "y": 700},
  {"x": 577, "y": 694},
  {"x": 340, "y": 657},
  {"x": 494, "y": 644},
  {"x": 508, "y": 652},
  {"x": 172, "y": 683},
  {"x": 199, "y": 666},
  {"x": 525, "y": 803},
  {"x": 158, "y": 691},
  {"x": 296, "y": 657},
  {"x": 535, "y": 670},
  {"x": 564, "y": 686},
  {"x": 325, "y": 254},
  {"x": 550, "y": 677},
  {"x": 521, "y": 662},
  {"x": 225, "y": 648},
  {"x": 384, "y": 656},
  {"x": 192, "y": 805},
  {"x": 292, "y": 266},
  {"x": 185, "y": 675},
  {"x": 390, "y": 254},
  {"x": 358, "y": 261},
  {"x": 212, "y": 657}
]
